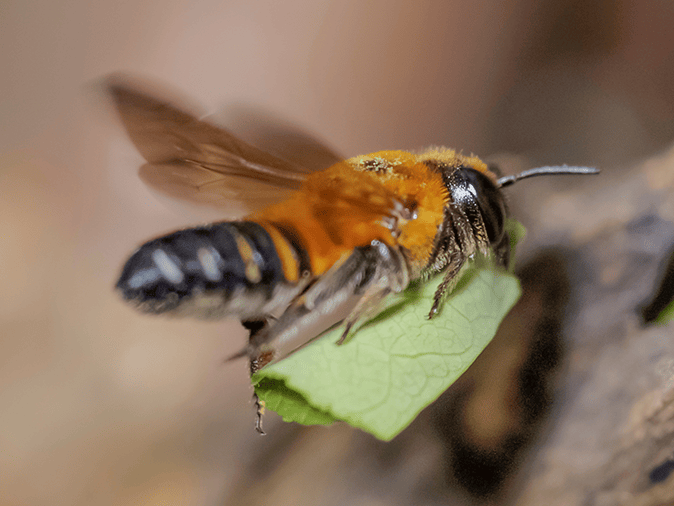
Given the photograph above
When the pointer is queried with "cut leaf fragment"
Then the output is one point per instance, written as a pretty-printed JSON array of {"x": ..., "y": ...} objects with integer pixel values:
[
  {"x": 398, "y": 363},
  {"x": 666, "y": 315}
]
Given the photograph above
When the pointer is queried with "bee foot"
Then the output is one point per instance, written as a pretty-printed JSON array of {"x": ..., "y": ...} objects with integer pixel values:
[{"x": 259, "y": 413}]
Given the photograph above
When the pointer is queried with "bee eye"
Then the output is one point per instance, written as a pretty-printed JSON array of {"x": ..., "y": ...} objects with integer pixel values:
[{"x": 489, "y": 200}]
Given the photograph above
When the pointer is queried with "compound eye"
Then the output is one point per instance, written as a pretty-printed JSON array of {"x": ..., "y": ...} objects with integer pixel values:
[{"x": 491, "y": 203}]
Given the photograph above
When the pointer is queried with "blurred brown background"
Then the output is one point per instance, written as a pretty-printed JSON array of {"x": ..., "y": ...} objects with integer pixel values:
[{"x": 99, "y": 405}]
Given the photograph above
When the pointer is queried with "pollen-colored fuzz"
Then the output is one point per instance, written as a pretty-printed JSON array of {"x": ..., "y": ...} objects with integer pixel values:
[
  {"x": 451, "y": 158},
  {"x": 420, "y": 189}
]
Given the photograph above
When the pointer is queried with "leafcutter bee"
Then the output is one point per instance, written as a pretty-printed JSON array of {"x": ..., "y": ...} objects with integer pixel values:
[{"x": 319, "y": 246}]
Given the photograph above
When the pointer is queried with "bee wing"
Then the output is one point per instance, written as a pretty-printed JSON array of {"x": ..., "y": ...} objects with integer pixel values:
[
  {"x": 195, "y": 160},
  {"x": 279, "y": 137},
  {"x": 232, "y": 196}
]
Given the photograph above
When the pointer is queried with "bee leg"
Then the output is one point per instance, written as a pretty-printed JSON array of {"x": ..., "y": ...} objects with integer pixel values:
[
  {"x": 367, "y": 306},
  {"x": 366, "y": 272},
  {"x": 259, "y": 412},
  {"x": 260, "y": 358},
  {"x": 257, "y": 363},
  {"x": 456, "y": 262}
]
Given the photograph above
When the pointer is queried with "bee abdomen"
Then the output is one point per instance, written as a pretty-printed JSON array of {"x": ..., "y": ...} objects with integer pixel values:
[{"x": 215, "y": 270}]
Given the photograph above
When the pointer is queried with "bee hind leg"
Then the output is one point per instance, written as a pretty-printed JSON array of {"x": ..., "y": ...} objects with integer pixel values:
[
  {"x": 259, "y": 413},
  {"x": 256, "y": 363}
]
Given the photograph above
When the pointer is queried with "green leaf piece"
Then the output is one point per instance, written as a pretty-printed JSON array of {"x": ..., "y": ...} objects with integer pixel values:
[
  {"x": 516, "y": 233},
  {"x": 290, "y": 404},
  {"x": 396, "y": 364},
  {"x": 666, "y": 315}
]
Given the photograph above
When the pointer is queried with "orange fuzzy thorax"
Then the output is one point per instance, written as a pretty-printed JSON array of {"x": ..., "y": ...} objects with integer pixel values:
[
  {"x": 420, "y": 189},
  {"x": 336, "y": 210},
  {"x": 348, "y": 205}
]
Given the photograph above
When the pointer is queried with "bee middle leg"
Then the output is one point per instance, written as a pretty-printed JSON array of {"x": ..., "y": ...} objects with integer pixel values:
[
  {"x": 349, "y": 290},
  {"x": 367, "y": 306}
]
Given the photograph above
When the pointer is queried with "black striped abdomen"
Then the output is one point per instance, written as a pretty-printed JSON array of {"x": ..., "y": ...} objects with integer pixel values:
[{"x": 229, "y": 268}]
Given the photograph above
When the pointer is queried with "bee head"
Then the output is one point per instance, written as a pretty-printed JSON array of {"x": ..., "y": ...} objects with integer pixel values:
[
  {"x": 476, "y": 193},
  {"x": 481, "y": 199}
]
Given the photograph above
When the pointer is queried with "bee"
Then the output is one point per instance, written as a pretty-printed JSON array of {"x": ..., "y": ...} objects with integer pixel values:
[{"x": 318, "y": 247}]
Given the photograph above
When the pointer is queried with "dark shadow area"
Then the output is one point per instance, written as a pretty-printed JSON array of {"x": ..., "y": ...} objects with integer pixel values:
[
  {"x": 664, "y": 292},
  {"x": 499, "y": 403}
]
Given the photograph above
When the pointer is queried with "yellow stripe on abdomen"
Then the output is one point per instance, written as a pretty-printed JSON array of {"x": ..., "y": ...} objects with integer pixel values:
[{"x": 286, "y": 252}]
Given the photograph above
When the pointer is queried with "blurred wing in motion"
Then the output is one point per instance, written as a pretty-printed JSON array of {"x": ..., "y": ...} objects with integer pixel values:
[
  {"x": 194, "y": 160},
  {"x": 280, "y": 137}
]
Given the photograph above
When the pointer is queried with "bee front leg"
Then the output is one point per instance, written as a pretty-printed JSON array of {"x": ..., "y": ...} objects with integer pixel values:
[{"x": 448, "y": 282}]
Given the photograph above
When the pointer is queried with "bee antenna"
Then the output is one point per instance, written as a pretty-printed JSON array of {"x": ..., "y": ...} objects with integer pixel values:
[{"x": 542, "y": 171}]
